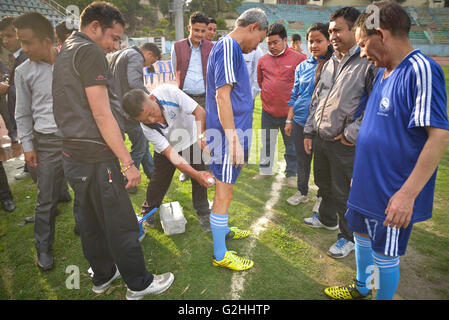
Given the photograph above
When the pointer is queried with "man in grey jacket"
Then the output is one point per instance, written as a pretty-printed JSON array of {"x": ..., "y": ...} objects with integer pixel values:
[
  {"x": 336, "y": 112},
  {"x": 127, "y": 69}
]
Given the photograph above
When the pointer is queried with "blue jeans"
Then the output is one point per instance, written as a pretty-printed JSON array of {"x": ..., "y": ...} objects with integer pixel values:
[
  {"x": 140, "y": 152},
  {"x": 270, "y": 126}
]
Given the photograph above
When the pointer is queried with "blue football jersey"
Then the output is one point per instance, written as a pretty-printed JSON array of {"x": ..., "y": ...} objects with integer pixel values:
[
  {"x": 392, "y": 135},
  {"x": 226, "y": 65}
]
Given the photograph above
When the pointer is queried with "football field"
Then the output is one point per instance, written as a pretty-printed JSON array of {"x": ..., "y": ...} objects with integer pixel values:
[{"x": 290, "y": 258}]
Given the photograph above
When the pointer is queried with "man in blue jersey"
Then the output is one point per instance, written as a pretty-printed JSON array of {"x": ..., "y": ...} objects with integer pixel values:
[
  {"x": 229, "y": 116},
  {"x": 404, "y": 134}
]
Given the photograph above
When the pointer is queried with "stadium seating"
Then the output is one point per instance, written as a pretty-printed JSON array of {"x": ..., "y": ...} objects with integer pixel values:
[
  {"x": 441, "y": 15},
  {"x": 163, "y": 70},
  {"x": 18, "y": 7},
  {"x": 440, "y": 33},
  {"x": 417, "y": 35},
  {"x": 295, "y": 18},
  {"x": 148, "y": 76}
]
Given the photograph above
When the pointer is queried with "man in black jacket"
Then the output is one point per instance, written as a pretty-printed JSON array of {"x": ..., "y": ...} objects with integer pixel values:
[
  {"x": 127, "y": 71},
  {"x": 95, "y": 157}
]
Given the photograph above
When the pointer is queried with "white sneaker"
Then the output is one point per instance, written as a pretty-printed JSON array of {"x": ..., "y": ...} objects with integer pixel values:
[
  {"x": 315, "y": 222},
  {"x": 21, "y": 175},
  {"x": 316, "y": 207},
  {"x": 341, "y": 248},
  {"x": 105, "y": 286},
  {"x": 297, "y": 198},
  {"x": 261, "y": 176},
  {"x": 160, "y": 284}
]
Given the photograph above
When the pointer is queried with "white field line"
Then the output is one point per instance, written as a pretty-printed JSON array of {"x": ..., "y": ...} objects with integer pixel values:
[{"x": 239, "y": 278}]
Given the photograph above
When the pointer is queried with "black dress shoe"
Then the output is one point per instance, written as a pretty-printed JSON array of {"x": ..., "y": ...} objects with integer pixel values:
[
  {"x": 44, "y": 260},
  {"x": 8, "y": 205}
]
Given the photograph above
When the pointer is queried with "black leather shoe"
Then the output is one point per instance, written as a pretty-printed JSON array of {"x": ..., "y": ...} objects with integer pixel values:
[
  {"x": 44, "y": 260},
  {"x": 8, "y": 205}
]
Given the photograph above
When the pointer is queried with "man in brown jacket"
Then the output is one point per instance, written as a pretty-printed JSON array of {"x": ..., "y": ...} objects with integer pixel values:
[{"x": 189, "y": 58}]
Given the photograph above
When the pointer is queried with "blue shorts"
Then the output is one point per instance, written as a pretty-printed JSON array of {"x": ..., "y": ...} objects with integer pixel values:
[
  {"x": 224, "y": 170},
  {"x": 388, "y": 241}
]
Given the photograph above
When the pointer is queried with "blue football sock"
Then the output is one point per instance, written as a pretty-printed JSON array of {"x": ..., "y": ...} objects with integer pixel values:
[
  {"x": 219, "y": 227},
  {"x": 388, "y": 276},
  {"x": 364, "y": 261}
]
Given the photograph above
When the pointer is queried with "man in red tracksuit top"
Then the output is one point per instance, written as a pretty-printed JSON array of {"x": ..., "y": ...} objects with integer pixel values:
[{"x": 276, "y": 76}]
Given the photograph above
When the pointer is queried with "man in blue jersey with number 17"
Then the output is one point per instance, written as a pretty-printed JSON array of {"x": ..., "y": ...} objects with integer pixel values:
[
  {"x": 229, "y": 117},
  {"x": 403, "y": 136}
]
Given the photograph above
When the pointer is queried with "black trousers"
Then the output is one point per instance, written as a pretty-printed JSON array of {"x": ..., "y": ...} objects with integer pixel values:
[
  {"x": 107, "y": 222},
  {"x": 333, "y": 164},
  {"x": 5, "y": 192},
  {"x": 162, "y": 177}
]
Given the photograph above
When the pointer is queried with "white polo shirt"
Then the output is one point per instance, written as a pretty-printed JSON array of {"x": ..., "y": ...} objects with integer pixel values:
[{"x": 177, "y": 107}]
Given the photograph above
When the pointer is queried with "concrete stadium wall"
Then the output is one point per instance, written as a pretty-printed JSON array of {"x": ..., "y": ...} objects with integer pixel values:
[{"x": 441, "y": 50}]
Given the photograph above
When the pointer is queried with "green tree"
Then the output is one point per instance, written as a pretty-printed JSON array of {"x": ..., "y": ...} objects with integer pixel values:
[
  {"x": 221, "y": 24},
  {"x": 164, "y": 23},
  {"x": 146, "y": 30},
  {"x": 213, "y": 8}
]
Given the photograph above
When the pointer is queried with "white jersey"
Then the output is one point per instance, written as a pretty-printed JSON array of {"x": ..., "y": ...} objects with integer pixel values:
[{"x": 181, "y": 131}]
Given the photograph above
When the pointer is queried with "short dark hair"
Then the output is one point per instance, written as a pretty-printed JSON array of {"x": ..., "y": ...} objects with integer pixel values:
[
  {"x": 350, "y": 14},
  {"x": 40, "y": 25},
  {"x": 103, "y": 12},
  {"x": 198, "y": 17},
  {"x": 296, "y": 37},
  {"x": 6, "y": 22},
  {"x": 132, "y": 102},
  {"x": 212, "y": 20},
  {"x": 392, "y": 17},
  {"x": 62, "y": 31},
  {"x": 277, "y": 29},
  {"x": 149, "y": 46}
]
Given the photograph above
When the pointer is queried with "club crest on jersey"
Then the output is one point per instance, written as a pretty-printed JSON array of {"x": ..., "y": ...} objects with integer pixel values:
[{"x": 384, "y": 107}]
